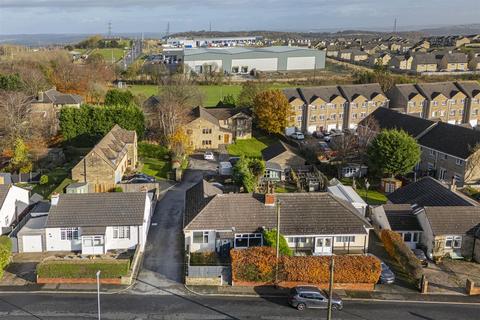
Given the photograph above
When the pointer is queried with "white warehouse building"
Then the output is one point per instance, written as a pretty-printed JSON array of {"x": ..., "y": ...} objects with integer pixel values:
[{"x": 245, "y": 60}]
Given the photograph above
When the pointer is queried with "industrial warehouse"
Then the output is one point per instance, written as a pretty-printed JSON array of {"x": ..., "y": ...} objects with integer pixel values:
[{"x": 236, "y": 60}]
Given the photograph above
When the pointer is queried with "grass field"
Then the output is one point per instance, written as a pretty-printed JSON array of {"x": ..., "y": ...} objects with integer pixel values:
[
  {"x": 212, "y": 93},
  {"x": 107, "y": 53},
  {"x": 251, "y": 148}
]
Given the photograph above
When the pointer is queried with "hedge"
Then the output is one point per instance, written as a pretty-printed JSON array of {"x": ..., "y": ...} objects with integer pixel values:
[
  {"x": 257, "y": 264},
  {"x": 400, "y": 252},
  {"x": 83, "y": 269},
  {"x": 270, "y": 239},
  {"x": 5, "y": 253}
]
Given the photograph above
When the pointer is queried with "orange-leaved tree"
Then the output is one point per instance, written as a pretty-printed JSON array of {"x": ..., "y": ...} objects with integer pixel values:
[{"x": 272, "y": 111}]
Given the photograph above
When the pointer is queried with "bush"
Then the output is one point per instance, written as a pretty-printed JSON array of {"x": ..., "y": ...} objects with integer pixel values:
[
  {"x": 117, "y": 189},
  {"x": 206, "y": 259},
  {"x": 83, "y": 269},
  {"x": 44, "y": 179},
  {"x": 5, "y": 253},
  {"x": 400, "y": 252},
  {"x": 149, "y": 150},
  {"x": 257, "y": 264},
  {"x": 270, "y": 239}
]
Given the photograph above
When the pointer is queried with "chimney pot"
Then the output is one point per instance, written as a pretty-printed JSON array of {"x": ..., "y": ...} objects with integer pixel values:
[
  {"x": 54, "y": 199},
  {"x": 270, "y": 200}
]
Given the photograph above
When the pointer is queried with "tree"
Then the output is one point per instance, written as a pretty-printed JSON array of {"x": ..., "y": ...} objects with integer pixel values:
[
  {"x": 116, "y": 97},
  {"x": 270, "y": 238},
  {"x": 15, "y": 110},
  {"x": 180, "y": 143},
  {"x": 10, "y": 82},
  {"x": 393, "y": 152},
  {"x": 227, "y": 101},
  {"x": 250, "y": 90},
  {"x": 20, "y": 161},
  {"x": 247, "y": 172},
  {"x": 472, "y": 166},
  {"x": 272, "y": 111}
]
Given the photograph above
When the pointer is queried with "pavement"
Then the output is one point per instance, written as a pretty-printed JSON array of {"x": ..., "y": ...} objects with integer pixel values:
[{"x": 143, "y": 307}]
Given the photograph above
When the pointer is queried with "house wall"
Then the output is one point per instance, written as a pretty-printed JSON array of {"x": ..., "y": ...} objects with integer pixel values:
[
  {"x": 112, "y": 244},
  {"x": 441, "y": 161},
  {"x": 472, "y": 111},
  {"x": 323, "y": 115},
  {"x": 426, "y": 237},
  {"x": 15, "y": 202},
  {"x": 217, "y": 137},
  {"x": 55, "y": 242},
  {"x": 439, "y": 249},
  {"x": 239, "y": 123},
  {"x": 200, "y": 247},
  {"x": 361, "y": 107}
]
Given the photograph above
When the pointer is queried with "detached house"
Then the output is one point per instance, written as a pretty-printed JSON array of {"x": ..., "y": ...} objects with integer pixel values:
[
  {"x": 454, "y": 62},
  {"x": 95, "y": 223},
  {"x": 210, "y": 128},
  {"x": 13, "y": 201},
  {"x": 279, "y": 159},
  {"x": 312, "y": 223},
  {"x": 104, "y": 166},
  {"x": 424, "y": 62}
]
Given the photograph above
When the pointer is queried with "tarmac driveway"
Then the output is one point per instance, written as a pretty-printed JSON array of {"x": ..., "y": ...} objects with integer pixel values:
[{"x": 163, "y": 263}]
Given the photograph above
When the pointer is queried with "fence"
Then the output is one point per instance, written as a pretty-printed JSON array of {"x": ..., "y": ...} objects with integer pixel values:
[{"x": 208, "y": 275}]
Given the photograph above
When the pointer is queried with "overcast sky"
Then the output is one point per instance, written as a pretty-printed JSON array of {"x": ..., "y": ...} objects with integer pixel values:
[{"x": 92, "y": 16}]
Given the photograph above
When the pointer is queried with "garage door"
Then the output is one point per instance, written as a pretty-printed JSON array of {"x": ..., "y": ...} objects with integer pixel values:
[
  {"x": 32, "y": 243},
  {"x": 301, "y": 63}
]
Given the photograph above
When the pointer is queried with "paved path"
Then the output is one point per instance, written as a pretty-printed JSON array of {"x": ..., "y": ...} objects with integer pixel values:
[{"x": 163, "y": 264}]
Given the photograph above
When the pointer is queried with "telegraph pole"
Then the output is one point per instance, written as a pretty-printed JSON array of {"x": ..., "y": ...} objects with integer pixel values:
[
  {"x": 330, "y": 288},
  {"x": 278, "y": 241}
]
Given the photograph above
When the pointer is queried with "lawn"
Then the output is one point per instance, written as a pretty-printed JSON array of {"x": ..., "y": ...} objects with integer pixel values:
[
  {"x": 107, "y": 53},
  {"x": 251, "y": 148},
  {"x": 155, "y": 160},
  {"x": 375, "y": 197}
]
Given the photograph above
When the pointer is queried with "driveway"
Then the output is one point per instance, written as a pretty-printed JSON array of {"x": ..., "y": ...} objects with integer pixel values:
[{"x": 163, "y": 263}]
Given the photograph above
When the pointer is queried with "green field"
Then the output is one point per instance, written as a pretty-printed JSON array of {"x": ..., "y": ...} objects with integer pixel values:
[
  {"x": 107, "y": 53},
  {"x": 212, "y": 94}
]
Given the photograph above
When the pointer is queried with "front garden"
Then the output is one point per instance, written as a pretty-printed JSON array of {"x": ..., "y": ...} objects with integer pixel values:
[{"x": 155, "y": 160}]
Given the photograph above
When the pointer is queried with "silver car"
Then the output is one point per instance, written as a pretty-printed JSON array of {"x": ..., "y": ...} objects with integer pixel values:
[{"x": 302, "y": 297}]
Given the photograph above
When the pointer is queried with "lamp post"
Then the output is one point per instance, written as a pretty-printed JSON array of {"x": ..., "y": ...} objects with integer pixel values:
[
  {"x": 98, "y": 293},
  {"x": 367, "y": 185}
]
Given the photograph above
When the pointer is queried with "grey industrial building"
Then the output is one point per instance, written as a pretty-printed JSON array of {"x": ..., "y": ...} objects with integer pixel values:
[{"x": 236, "y": 60}]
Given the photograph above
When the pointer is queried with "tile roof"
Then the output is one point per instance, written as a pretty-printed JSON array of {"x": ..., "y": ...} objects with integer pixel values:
[
  {"x": 200, "y": 112},
  {"x": 429, "y": 192},
  {"x": 326, "y": 93},
  {"x": 197, "y": 197},
  {"x": 456, "y": 57},
  {"x": 4, "y": 188},
  {"x": 401, "y": 217},
  {"x": 292, "y": 94},
  {"x": 56, "y": 97},
  {"x": 98, "y": 210},
  {"x": 453, "y": 221},
  {"x": 408, "y": 90},
  {"x": 424, "y": 58},
  {"x": 470, "y": 88},
  {"x": 369, "y": 91},
  {"x": 431, "y": 90},
  {"x": 454, "y": 140},
  {"x": 227, "y": 113},
  {"x": 391, "y": 119},
  {"x": 301, "y": 214},
  {"x": 276, "y": 149}
]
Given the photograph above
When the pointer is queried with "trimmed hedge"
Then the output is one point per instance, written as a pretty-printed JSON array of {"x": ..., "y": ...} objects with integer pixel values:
[
  {"x": 83, "y": 269},
  {"x": 398, "y": 250},
  {"x": 257, "y": 264},
  {"x": 5, "y": 253}
]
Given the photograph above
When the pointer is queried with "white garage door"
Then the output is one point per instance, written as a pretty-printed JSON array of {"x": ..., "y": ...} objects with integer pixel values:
[
  {"x": 32, "y": 243},
  {"x": 301, "y": 63}
]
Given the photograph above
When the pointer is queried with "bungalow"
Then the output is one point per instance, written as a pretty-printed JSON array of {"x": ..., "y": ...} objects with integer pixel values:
[
  {"x": 104, "y": 166},
  {"x": 13, "y": 201},
  {"x": 280, "y": 158},
  {"x": 348, "y": 194},
  {"x": 449, "y": 231},
  {"x": 95, "y": 223},
  {"x": 312, "y": 223}
]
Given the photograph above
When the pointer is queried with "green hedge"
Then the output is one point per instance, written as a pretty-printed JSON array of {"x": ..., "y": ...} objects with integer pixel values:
[
  {"x": 83, "y": 269},
  {"x": 5, "y": 253},
  {"x": 150, "y": 150}
]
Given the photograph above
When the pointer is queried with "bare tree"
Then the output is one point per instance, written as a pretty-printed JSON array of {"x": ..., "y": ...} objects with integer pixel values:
[
  {"x": 14, "y": 116},
  {"x": 472, "y": 166},
  {"x": 366, "y": 133}
]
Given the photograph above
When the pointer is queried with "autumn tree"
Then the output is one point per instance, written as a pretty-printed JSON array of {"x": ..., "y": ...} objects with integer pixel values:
[
  {"x": 272, "y": 111},
  {"x": 15, "y": 110},
  {"x": 393, "y": 152},
  {"x": 247, "y": 172},
  {"x": 250, "y": 90},
  {"x": 20, "y": 161},
  {"x": 180, "y": 143}
]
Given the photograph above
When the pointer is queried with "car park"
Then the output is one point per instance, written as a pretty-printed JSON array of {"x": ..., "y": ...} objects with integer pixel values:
[
  {"x": 303, "y": 297},
  {"x": 208, "y": 155},
  {"x": 297, "y": 136},
  {"x": 421, "y": 256}
]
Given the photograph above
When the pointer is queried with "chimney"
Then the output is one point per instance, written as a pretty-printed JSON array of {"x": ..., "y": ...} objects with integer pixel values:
[
  {"x": 270, "y": 199},
  {"x": 453, "y": 186},
  {"x": 40, "y": 96},
  {"x": 54, "y": 199}
]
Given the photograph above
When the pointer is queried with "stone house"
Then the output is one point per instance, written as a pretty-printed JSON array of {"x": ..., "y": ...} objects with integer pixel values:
[
  {"x": 316, "y": 223},
  {"x": 298, "y": 108},
  {"x": 474, "y": 64},
  {"x": 424, "y": 62},
  {"x": 407, "y": 99},
  {"x": 358, "y": 56},
  {"x": 454, "y": 62},
  {"x": 472, "y": 108},
  {"x": 401, "y": 62},
  {"x": 105, "y": 165},
  {"x": 210, "y": 128}
]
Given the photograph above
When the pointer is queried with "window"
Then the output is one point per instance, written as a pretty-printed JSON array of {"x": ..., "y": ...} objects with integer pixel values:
[
  {"x": 244, "y": 69},
  {"x": 299, "y": 118},
  {"x": 206, "y": 142},
  {"x": 322, "y": 106},
  {"x": 452, "y": 113},
  {"x": 475, "y": 112},
  {"x": 444, "y": 103},
  {"x": 333, "y": 116},
  {"x": 354, "y": 116},
  {"x": 6, "y": 221},
  {"x": 364, "y": 105},
  {"x": 300, "y": 108},
  {"x": 459, "y": 162},
  {"x": 200, "y": 237},
  {"x": 313, "y": 107},
  {"x": 434, "y": 114},
  {"x": 432, "y": 153},
  {"x": 322, "y": 117},
  {"x": 453, "y": 101},
  {"x": 435, "y": 103},
  {"x": 235, "y": 69},
  {"x": 363, "y": 114},
  {"x": 69, "y": 233},
  {"x": 219, "y": 137},
  {"x": 334, "y": 106},
  {"x": 454, "y": 242},
  {"x": 345, "y": 239},
  {"x": 463, "y": 101},
  {"x": 245, "y": 240},
  {"x": 457, "y": 177},
  {"x": 206, "y": 130},
  {"x": 121, "y": 232},
  {"x": 353, "y": 105},
  {"x": 340, "y": 116},
  {"x": 313, "y": 118}
]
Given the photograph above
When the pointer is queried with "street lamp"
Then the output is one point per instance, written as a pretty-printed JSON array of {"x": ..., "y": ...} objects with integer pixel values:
[
  {"x": 367, "y": 185},
  {"x": 98, "y": 293}
]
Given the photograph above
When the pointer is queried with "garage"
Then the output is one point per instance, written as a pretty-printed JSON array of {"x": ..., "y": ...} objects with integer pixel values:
[{"x": 32, "y": 243}]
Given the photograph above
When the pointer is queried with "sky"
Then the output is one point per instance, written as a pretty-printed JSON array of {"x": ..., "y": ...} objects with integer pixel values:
[{"x": 92, "y": 16}]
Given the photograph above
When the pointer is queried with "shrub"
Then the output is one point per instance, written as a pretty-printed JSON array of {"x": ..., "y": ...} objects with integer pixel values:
[
  {"x": 400, "y": 252},
  {"x": 257, "y": 264},
  {"x": 83, "y": 269},
  {"x": 5, "y": 253},
  {"x": 270, "y": 238},
  {"x": 117, "y": 189},
  {"x": 44, "y": 179},
  {"x": 149, "y": 150},
  {"x": 205, "y": 259}
]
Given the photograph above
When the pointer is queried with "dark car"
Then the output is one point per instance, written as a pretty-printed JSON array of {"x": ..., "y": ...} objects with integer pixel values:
[
  {"x": 421, "y": 256},
  {"x": 303, "y": 297},
  {"x": 386, "y": 276}
]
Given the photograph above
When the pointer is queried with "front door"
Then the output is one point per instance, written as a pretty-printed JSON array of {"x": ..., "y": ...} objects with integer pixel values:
[
  {"x": 323, "y": 246},
  {"x": 226, "y": 139},
  {"x": 92, "y": 245}
]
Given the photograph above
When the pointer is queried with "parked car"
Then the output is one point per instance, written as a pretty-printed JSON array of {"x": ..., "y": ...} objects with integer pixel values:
[
  {"x": 233, "y": 160},
  {"x": 297, "y": 136},
  {"x": 139, "y": 180},
  {"x": 218, "y": 185},
  {"x": 208, "y": 155},
  {"x": 386, "y": 276},
  {"x": 302, "y": 297},
  {"x": 421, "y": 256}
]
